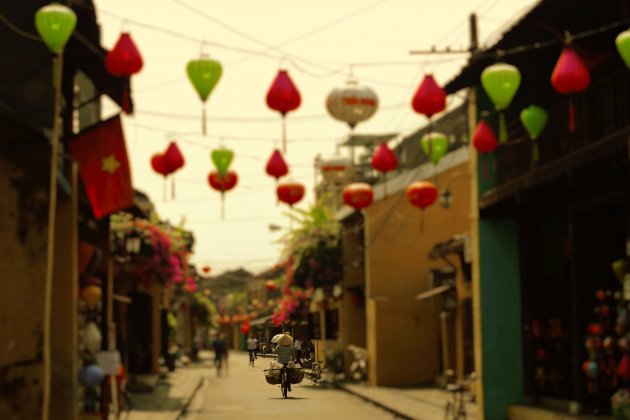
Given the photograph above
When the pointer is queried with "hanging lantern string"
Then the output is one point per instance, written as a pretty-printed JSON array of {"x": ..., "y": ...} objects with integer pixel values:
[{"x": 481, "y": 54}]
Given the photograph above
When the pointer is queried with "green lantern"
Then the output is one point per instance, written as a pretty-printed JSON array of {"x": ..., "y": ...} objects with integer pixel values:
[
  {"x": 501, "y": 81},
  {"x": 434, "y": 145},
  {"x": 534, "y": 119},
  {"x": 623, "y": 46},
  {"x": 222, "y": 159},
  {"x": 55, "y": 23},
  {"x": 204, "y": 74}
]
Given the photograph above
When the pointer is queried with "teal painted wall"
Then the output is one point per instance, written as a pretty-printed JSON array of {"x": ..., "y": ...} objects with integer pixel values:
[{"x": 501, "y": 326}]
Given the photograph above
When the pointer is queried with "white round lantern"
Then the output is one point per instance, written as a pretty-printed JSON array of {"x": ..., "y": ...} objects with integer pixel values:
[
  {"x": 336, "y": 169},
  {"x": 352, "y": 103}
]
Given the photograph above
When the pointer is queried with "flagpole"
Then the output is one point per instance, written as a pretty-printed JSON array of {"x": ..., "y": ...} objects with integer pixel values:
[{"x": 52, "y": 214}]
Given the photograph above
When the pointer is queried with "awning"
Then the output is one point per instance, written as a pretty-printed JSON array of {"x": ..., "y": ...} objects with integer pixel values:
[
  {"x": 368, "y": 140},
  {"x": 434, "y": 292}
]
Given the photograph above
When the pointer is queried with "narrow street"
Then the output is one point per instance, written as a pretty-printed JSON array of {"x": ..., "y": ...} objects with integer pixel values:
[{"x": 243, "y": 393}]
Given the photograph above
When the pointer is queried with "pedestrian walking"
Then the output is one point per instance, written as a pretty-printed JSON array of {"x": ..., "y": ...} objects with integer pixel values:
[
  {"x": 298, "y": 351},
  {"x": 219, "y": 347}
]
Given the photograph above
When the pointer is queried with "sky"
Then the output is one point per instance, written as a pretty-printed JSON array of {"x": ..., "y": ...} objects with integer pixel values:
[{"x": 319, "y": 43}]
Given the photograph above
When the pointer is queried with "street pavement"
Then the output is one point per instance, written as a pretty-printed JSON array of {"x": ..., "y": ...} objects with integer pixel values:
[
  {"x": 195, "y": 392},
  {"x": 243, "y": 393}
]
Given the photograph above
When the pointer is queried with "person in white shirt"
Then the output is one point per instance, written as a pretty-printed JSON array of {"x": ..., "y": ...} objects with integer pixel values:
[
  {"x": 298, "y": 350},
  {"x": 252, "y": 346}
]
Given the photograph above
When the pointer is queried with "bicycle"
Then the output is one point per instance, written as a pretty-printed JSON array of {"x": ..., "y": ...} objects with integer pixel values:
[
  {"x": 455, "y": 409},
  {"x": 316, "y": 372},
  {"x": 284, "y": 382}
]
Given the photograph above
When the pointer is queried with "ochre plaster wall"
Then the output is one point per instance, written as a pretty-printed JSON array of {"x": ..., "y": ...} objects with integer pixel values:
[{"x": 402, "y": 333}]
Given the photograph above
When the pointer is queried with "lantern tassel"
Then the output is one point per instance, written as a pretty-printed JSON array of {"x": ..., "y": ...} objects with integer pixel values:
[
  {"x": 165, "y": 189},
  {"x": 503, "y": 133},
  {"x": 535, "y": 153},
  {"x": 203, "y": 120},
  {"x": 284, "y": 134},
  {"x": 571, "y": 116},
  {"x": 222, "y": 205},
  {"x": 421, "y": 227},
  {"x": 173, "y": 189}
]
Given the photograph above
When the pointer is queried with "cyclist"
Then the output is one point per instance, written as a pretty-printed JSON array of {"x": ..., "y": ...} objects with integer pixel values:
[
  {"x": 252, "y": 345},
  {"x": 285, "y": 351}
]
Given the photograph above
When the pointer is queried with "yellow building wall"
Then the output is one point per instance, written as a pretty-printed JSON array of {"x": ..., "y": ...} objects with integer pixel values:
[{"x": 402, "y": 333}]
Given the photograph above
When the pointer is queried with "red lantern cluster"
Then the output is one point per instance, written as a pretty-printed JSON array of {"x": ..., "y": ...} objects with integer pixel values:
[
  {"x": 290, "y": 192},
  {"x": 270, "y": 285},
  {"x": 358, "y": 195},
  {"x": 430, "y": 98}
]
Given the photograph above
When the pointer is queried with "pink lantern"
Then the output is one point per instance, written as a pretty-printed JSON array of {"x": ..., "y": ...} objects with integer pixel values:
[{"x": 570, "y": 76}]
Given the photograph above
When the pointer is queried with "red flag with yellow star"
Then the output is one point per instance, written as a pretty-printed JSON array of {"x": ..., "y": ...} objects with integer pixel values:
[{"x": 104, "y": 167}]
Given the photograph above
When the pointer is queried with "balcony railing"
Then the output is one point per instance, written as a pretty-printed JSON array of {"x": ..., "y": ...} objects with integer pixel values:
[{"x": 601, "y": 112}]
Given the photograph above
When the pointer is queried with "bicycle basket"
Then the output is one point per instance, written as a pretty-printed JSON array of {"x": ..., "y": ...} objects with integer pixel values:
[
  {"x": 272, "y": 376},
  {"x": 295, "y": 375}
]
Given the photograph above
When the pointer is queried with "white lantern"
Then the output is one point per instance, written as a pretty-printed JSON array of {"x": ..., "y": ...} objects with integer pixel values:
[
  {"x": 92, "y": 338},
  {"x": 352, "y": 103},
  {"x": 336, "y": 169}
]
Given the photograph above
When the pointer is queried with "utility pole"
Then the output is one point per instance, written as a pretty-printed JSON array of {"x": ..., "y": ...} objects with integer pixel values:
[
  {"x": 474, "y": 231},
  {"x": 472, "y": 50}
]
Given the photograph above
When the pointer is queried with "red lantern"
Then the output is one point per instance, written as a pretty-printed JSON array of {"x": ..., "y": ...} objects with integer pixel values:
[
  {"x": 124, "y": 60},
  {"x": 283, "y": 97},
  {"x": 173, "y": 158},
  {"x": 290, "y": 192},
  {"x": 422, "y": 194},
  {"x": 484, "y": 139},
  {"x": 429, "y": 98},
  {"x": 158, "y": 164},
  {"x": 205, "y": 269},
  {"x": 276, "y": 166},
  {"x": 270, "y": 285},
  {"x": 358, "y": 195},
  {"x": 384, "y": 160},
  {"x": 222, "y": 184},
  {"x": 570, "y": 76}
]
